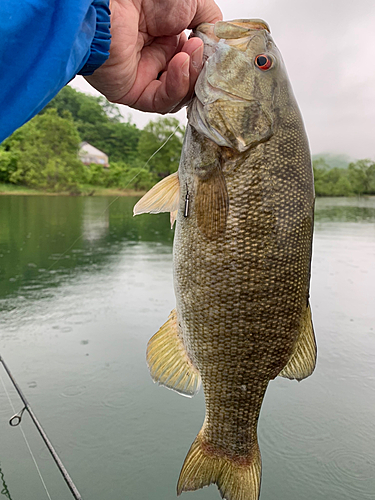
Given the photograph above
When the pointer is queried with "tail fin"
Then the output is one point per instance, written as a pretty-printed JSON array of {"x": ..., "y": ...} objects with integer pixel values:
[{"x": 235, "y": 480}]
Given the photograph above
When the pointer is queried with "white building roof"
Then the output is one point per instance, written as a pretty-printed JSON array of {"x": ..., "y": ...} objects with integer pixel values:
[{"x": 91, "y": 150}]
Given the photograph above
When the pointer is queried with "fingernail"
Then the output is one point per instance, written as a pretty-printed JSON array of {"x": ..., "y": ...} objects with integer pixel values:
[
  {"x": 197, "y": 58},
  {"x": 185, "y": 67}
]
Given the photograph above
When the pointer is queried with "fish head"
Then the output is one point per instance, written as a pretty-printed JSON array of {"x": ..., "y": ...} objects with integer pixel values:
[{"x": 237, "y": 92}]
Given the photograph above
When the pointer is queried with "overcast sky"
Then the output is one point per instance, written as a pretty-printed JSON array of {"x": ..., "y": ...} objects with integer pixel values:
[{"x": 329, "y": 50}]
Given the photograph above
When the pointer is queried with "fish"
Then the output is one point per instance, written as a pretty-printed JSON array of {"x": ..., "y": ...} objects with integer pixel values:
[{"x": 243, "y": 203}]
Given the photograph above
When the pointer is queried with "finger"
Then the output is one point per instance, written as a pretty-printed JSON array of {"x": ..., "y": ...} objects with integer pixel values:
[
  {"x": 207, "y": 12},
  {"x": 162, "y": 96},
  {"x": 176, "y": 85},
  {"x": 182, "y": 41},
  {"x": 154, "y": 59},
  {"x": 193, "y": 47}
]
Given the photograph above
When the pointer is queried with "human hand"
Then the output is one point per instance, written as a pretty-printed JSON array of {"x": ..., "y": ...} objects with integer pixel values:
[{"x": 152, "y": 66}]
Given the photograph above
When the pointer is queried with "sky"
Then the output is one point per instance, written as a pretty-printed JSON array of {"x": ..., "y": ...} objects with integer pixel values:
[{"x": 329, "y": 49}]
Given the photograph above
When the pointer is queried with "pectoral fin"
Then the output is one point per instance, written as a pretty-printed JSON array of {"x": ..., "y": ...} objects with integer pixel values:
[
  {"x": 168, "y": 361},
  {"x": 163, "y": 197},
  {"x": 302, "y": 362},
  {"x": 212, "y": 204}
]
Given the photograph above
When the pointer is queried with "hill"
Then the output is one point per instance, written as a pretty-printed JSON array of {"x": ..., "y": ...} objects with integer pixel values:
[{"x": 332, "y": 160}]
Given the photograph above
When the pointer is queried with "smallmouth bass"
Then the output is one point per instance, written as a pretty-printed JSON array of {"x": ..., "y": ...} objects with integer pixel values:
[{"x": 243, "y": 199}]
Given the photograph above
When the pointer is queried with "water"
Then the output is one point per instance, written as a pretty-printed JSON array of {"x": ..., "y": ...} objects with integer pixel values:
[{"x": 83, "y": 288}]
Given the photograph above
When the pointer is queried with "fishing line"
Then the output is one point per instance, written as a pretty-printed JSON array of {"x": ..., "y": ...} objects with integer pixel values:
[
  {"x": 117, "y": 197},
  {"x": 5, "y": 491},
  {"x": 25, "y": 439},
  {"x": 16, "y": 421},
  {"x": 153, "y": 154}
]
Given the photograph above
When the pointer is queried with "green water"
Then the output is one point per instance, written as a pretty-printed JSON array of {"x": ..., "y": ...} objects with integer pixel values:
[{"x": 82, "y": 289}]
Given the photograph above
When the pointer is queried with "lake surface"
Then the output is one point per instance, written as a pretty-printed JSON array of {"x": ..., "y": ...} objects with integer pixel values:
[{"x": 84, "y": 285}]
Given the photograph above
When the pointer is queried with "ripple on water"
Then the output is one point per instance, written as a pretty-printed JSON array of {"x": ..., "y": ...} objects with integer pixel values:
[
  {"x": 79, "y": 318},
  {"x": 72, "y": 391},
  {"x": 90, "y": 432},
  {"x": 353, "y": 470},
  {"x": 66, "y": 329},
  {"x": 117, "y": 400},
  {"x": 303, "y": 430}
]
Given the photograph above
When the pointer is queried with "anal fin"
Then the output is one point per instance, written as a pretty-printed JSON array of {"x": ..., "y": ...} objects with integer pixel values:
[
  {"x": 168, "y": 361},
  {"x": 303, "y": 360}
]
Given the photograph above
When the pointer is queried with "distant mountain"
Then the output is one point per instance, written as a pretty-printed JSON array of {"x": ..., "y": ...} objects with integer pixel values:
[{"x": 334, "y": 160}]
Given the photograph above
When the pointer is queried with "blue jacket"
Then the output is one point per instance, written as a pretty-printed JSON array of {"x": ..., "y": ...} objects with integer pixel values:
[{"x": 43, "y": 45}]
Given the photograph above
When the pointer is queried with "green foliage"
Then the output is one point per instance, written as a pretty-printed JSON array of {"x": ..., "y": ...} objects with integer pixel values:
[
  {"x": 119, "y": 175},
  {"x": 153, "y": 137},
  {"x": 118, "y": 140},
  {"x": 96, "y": 175},
  {"x": 79, "y": 105},
  {"x": 99, "y": 123},
  {"x": 357, "y": 179},
  {"x": 362, "y": 176},
  {"x": 44, "y": 153},
  {"x": 132, "y": 177},
  {"x": 8, "y": 164}
]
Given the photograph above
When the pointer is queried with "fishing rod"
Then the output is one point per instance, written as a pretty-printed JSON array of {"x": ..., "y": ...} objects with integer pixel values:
[{"x": 16, "y": 420}]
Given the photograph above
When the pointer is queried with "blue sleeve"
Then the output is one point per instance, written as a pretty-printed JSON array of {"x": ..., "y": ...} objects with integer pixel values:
[{"x": 43, "y": 45}]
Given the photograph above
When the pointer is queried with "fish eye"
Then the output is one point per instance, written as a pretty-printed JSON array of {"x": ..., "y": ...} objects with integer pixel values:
[{"x": 263, "y": 62}]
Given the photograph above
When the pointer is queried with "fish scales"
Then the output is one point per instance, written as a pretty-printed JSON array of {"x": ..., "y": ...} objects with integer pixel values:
[
  {"x": 241, "y": 256},
  {"x": 246, "y": 295}
]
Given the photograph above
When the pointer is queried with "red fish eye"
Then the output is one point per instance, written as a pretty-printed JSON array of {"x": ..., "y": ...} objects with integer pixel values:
[{"x": 263, "y": 62}]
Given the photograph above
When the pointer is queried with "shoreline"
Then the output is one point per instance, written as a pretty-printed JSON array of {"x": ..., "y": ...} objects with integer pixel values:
[
  {"x": 88, "y": 190},
  {"x": 92, "y": 191}
]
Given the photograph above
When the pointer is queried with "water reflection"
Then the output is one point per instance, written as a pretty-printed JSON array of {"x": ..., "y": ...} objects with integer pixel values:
[
  {"x": 45, "y": 239},
  {"x": 95, "y": 219},
  {"x": 345, "y": 210}
]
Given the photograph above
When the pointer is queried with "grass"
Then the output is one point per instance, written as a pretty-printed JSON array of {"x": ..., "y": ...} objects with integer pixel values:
[
  {"x": 13, "y": 189},
  {"x": 86, "y": 190}
]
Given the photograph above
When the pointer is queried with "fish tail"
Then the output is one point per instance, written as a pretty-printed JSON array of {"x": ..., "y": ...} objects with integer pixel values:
[{"x": 236, "y": 479}]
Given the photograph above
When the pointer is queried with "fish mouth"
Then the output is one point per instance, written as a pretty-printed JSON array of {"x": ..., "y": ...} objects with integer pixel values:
[{"x": 229, "y": 30}]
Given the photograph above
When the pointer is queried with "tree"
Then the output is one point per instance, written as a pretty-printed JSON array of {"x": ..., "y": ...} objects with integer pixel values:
[
  {"x": 331, "y": 181},
  {"x": 8, "y": 164},
  {"x": 362, "y": 176},
  {"x": 99, "y": 122},
  {"x": 118, "y": 140},
  {"x": 130, "y": 176},
  {"x": 45, "y": 152},
  {"x": 154, "y": 136},
  {"x": 80, "y": 106}
]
